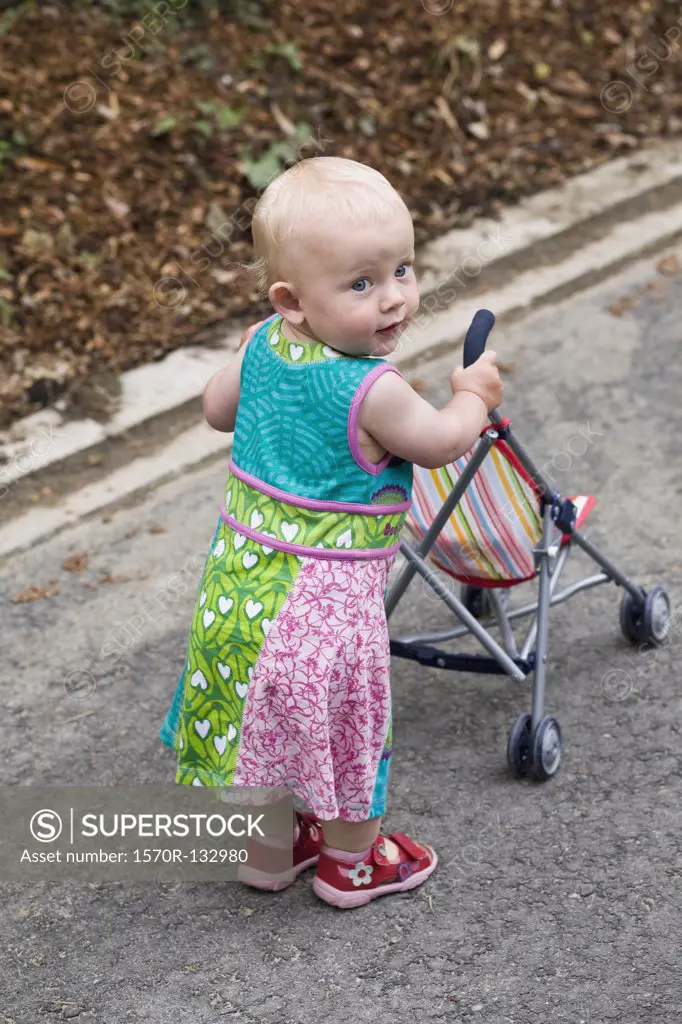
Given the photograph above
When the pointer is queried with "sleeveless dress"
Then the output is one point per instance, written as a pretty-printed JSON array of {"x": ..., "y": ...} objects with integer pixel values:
[{"x": 286, "y": 680}]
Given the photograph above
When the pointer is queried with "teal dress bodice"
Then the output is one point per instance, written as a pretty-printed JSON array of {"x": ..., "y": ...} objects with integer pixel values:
[{"x": 296, "y": 426}]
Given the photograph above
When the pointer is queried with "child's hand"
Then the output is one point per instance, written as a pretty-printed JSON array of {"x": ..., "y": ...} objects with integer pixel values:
[
  {"x": 482, "y": 378},
  {"x": 249, "y": 332}
]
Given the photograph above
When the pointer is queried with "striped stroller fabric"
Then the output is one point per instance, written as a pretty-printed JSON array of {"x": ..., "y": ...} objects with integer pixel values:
[{"x": 490, "y": 535}]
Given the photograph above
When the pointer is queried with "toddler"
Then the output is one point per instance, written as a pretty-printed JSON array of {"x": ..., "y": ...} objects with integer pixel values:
[{"x": 286, "y": 682}]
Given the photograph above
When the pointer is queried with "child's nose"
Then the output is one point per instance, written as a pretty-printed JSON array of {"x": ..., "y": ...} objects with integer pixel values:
[{"x": 391, "y": 299}]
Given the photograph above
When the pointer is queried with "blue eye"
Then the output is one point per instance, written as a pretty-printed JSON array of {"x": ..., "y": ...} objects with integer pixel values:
[
  {"x": 360, "y": 281},
  {"x": 404, "y": 267}
]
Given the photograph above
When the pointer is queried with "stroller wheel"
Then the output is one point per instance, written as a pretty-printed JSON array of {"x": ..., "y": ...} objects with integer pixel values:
[
  {"x": 518, "y": 747},
  {"x": 476, "y": 601},
  {"x": 649, "y": 623},
  {"x": 547, "y": 748}
]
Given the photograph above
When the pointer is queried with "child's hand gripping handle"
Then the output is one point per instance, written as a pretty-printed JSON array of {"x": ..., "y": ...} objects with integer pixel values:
[{"x": 475, "y": 342}]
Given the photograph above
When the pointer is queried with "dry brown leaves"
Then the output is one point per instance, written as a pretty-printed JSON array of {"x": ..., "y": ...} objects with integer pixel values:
[
  {"x": 667, "y": 266},
  {"x": 120, "y": 170},
  {"x": 75, "y": 563},
  {"x": 36, "y": 593}
]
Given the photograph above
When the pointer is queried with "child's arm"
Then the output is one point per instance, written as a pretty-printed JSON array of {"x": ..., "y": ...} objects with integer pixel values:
[
  {"x": 221, "y": 394},
  {"x": 408, "y": 426}
]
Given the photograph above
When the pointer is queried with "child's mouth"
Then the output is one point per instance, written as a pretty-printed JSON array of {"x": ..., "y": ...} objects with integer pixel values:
[{"x": 386, "y": 332}]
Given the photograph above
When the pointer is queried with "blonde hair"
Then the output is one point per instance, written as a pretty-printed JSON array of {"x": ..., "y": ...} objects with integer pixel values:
[{"x": 312, "y": 190}]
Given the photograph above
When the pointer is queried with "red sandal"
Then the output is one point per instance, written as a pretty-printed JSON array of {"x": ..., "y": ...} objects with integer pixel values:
[
  {"x": 261, "y": 871},
  {"x": 395, "y": 863}
]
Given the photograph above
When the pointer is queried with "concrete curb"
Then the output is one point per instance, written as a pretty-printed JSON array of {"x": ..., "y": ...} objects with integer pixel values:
[
  {"x": 185, "y": 451},
  {"x": 603, "y": 218}
]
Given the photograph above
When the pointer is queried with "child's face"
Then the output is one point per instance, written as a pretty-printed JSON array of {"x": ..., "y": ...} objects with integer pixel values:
[{"x": 356, "y": 287}]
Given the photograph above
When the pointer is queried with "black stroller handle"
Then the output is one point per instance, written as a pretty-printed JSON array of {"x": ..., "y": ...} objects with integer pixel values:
[{"x": 477, "y": 336}]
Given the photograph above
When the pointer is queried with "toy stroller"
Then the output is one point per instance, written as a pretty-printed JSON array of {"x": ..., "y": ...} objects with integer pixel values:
[{"x": 491, "y": 520}]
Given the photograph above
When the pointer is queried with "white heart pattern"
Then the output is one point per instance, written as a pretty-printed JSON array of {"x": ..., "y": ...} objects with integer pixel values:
[
  {"x": 242, "y": 689},
  {"x": 202, "y": 728},
  {"x": 224, "y": 670},
  {"x": 219, "y": 550},
  {"x": 330, "y": 352},
  {"x": 224, "y": 604},
  {"x": 345, "y": 539},
  {"x": 181, "y": 743},
  {"x": 295, "y": 351},
  {"x": 220, "y": 743},
  {"x": 289, "y": 531},
  {"x": 209, "y": 618},
  {"x": 256, "y": 519},
  {"x": 231, "y": 733},
  {"x": 253, "y": 608},
  {"x": 250, "y": 673},
  {"x": 202, "y": 599},
  {"x": 274, "y": 340},
  {"x": 267, "y": 550},
  {"x": 227, "y": 498},
  {"x": 266, "y": 626},
  {"x": 249, "y": 559},
  {"x": 239, "y": 541},
  {"x": 199, "y": 679},
  {"x": 195, "y": 782}
]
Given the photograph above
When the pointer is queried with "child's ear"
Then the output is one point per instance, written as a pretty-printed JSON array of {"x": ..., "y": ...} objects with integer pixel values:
[{"x": 284, "y": 300}]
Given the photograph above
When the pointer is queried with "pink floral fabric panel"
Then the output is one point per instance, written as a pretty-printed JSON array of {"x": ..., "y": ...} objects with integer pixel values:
[{"x": 319, "y": 703}]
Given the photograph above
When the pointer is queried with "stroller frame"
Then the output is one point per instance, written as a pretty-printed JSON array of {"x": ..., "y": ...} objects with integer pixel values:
[{"x": 534, "y": 744}]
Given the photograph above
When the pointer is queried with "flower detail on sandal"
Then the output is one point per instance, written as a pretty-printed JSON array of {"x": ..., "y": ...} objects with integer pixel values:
[
  {"x": 361, "y": 874},
  {"x": 407, "y": 869}
]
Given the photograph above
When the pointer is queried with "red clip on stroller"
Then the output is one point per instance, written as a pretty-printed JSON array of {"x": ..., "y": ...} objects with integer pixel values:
[{"x": 491, "y": 520}]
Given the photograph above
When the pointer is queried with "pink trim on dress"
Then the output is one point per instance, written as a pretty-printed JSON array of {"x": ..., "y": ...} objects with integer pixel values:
[
  {"x": 354, "y": 416},
  {"x": 316, "y": 503},
  {"x": 355, "y": 554}
]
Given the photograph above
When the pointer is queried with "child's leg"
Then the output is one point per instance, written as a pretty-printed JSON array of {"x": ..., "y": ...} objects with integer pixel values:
[{"x": 351, "y": 836}]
